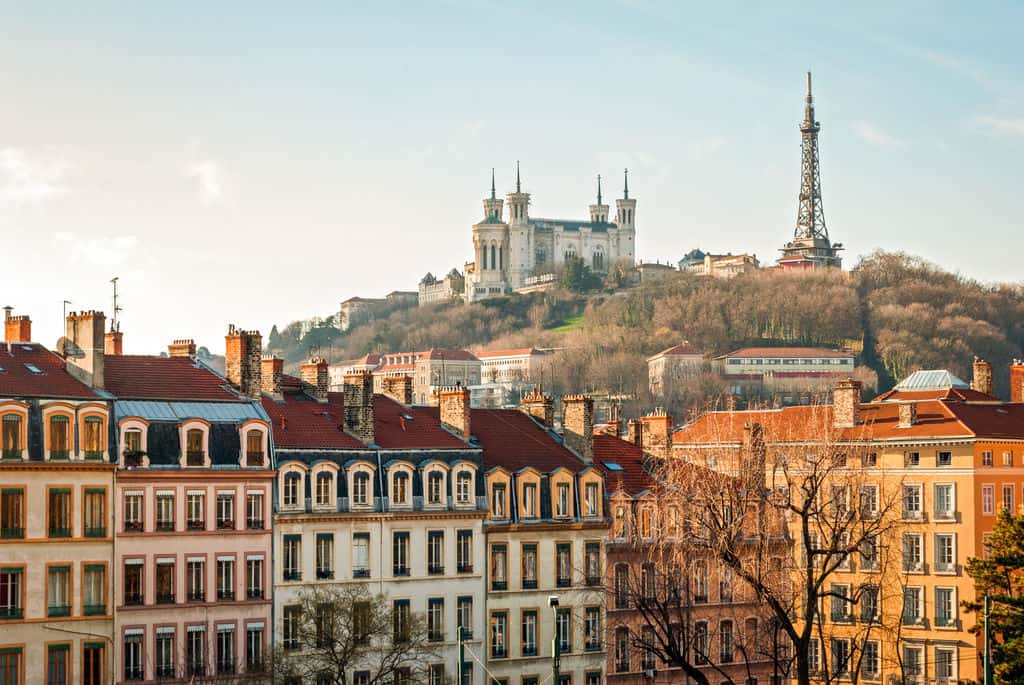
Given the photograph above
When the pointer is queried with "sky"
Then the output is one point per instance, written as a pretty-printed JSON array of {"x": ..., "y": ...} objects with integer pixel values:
[{"x": 259, "y": 162}]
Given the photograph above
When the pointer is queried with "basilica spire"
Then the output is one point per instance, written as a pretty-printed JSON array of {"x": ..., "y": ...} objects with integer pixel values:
[
  {"x": 599, "y": 189},
  {"x": 625, "y": 188},
  {"x": 519, "y": 188},
  {"x": 493, "y": 196}
]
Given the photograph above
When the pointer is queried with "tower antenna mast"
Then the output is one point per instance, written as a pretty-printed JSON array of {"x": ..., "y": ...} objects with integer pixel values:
[{"x": 115, "y": 324}]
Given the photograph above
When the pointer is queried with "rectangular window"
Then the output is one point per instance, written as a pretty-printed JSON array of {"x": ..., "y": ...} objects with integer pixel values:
[
  {"x": 945, "y": 607},
  {"x": 499, "y": 634},
  {"x": 165, "y": 573},
  {"x": 1008, "y": 498},
  {"x": 871, "y": 660},
  {"x": 360, "y": 489},
  {"x": 465, "y": 616},
  {"x": 592, "y": 499},
  {"x": 254, "y": 511},
  {"x": 913, "y": 553},
  {"x": 254, "y": 578},
  {"x": 254, "y": 448},
  {"x": 133, "y": 655},
  {"x": 435, "y": 619},
  {"x": 943, "y": 458},
  {"x": 530, "y": 500},
  {"x": 195, "y": 577},
  {"x": 840, "y": 657},
  {"x": 254, "y": 648},
  {"x": 593, "y": 563},
  {"x": 499, "y": 567},
  {"x": 133, "y": 516},
  {"x": 165, "y": 511},
  {"x": 913, "y": 663},
  {"x": 726, "y": 642},
  {"x": 95, "y": 513},
  {"x": 195, "y": 516},
  {"x": 226, "y": 579},
  {"x": 1007, "y": 458},
  {"x": 563, "y": 564},
  {"x": 622, "y": 661},
  {"x": 290, "y": 617},
  {"x": 840, "y": 595},
  {"x": 11, "y": 436},
  {"x": 986, "y": 458},
  {"x": 400, "y": 618},
  {"x": 324, "y": 556},
  {"x": 324, "y": 483},
  {"x": 400, "y": 553},
  {"x": 435, "y": 552},
  {"x": 529, "y": 554},
  {"x": 529, "y": 646},
  {"x": 12, "y": 513},
  {"x": 592, "y": 629},
  {"x": 498, "y": 501},
  {"x": 195, "y": 651},
  {"x": 945, "y": 665},
  {"x": 133, "y": 582},
  {"x": 292, "y": 557},
  {"x": 869, "y": 502},
  {"x": 869, "y": 607},
  {"x": 165, "y": 653},
  {"x": 59, "y": 513},
  {"x": 814, "y": 655},
  {"x": 912, "y": 502},
  {"x": 94, "y": 588},
  {"x": 912, "y": 609},
  {"x": 59, "y": 445},
  {"x": 58, "y": 591},
  {"x": 93, "y": 437},
  {"x": 360, "y": 555},
  {"x": 562, "y": 500},
  {"x": 464, "y": 550},
  {"x": 945, "y": 506},
  {"x": 945, "y": 553},
  {"x": 988, "y": 498},
  {"x": 195, "y": 455},
  {"x": 563, "y": 629},
  {"x": 225, "y": 650},
  {"x": 435, "y": 675},
  {"x": 57, "y": 665},
  {"x": 225, "y": 511},
  {"x": 435, "y": 489}
]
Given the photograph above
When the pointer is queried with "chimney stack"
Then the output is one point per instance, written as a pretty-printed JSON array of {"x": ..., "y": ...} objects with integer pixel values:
[
  {"x": 656, "y": 434},
  {"x": 453, "y": 401},
  {"x": 539, "y": 406},
  {"x": 243, "y": 357},
  {"x": 271, "y": 370},
  {"x": 908, "y": 414},
  {"x": 578, "y": 425},
  {"x": 113, "y": 343},
  {"x": 359, "y": 406},
  {"x": 17, "y": 328},
  {"x": 634, "y": 432},
  {"x": 398, "y": 388},
  {"x": 84, "y": 346},
  {"x": 315, "y": 373},
  {"x": 1017, "y": 381},
  {"x": 846, "y": 403},
  {"x": 182, "y": 347},
  {"x": 755, "y": 453},
  {"x": 981, "y": 381}
]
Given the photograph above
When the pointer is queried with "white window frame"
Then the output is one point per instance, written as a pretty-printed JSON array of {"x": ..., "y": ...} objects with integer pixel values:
[{"x": 183, "y": 429}]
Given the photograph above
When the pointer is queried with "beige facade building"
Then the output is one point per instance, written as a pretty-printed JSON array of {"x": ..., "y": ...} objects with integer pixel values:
[
  {"x": 451, "y": 287},
  {"x": 673, "y": 364}
]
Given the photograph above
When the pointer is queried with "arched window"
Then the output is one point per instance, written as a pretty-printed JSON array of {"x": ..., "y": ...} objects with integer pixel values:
[
  {"x": 435, "y": 487},
  {"x": 400, "y": 488},
  {"x": 10, "y": 435},
  {"x": 194, "y": 453},
  {"x": 254, "y": 448},
  {"x": 501, "y": 258},
  {"x": 93, "y": 437},
  {"x": 361, "y": 489},
  {"x": 483, "y": 259},
  {"x": 598, "y": 261},
  {"x": 622, "y": 650},
  {"x": 290, "y": 495},
  {"x": 493, "y": 260},
  {"x": 324, "y": 488},
  {"x": 59, "y": 444},
  {"x": 463, "y": 487}
]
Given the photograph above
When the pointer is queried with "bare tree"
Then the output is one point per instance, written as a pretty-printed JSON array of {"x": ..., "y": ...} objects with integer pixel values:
[{"x": 340, "y": 629}]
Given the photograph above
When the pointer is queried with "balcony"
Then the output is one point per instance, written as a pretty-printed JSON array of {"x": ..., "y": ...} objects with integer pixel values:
[
  {"x": 196, "y": 525},
  {"x": 593, "y": 581},
  {"x": 225, "y": 524},
  {"x": 360, "y": 572},
  {"x": 292, "y": 574},
  {"x": 133, "y": 673},
  {"x": 94, "y": 455},
  {"x": 165, "y": 671},
  {"x": 499, "y": 585},
  {"x": 60, "y": 455},
  {"x": 133, "y": 599},
  {"x": 197, "y": 596},
  {"x": 530, "y": 584},
  {"x": 592, "y": 646},
  {"x": 913, "y": 620},
  {"x": 133, "y": 460},
  {"x": 254, "y": 524},
  {"x": 465, "y": 568},
  {"x": 435, "y": 570},
  {"x": 498, "y": 652},
  {"x": 11, "y": 454},
  {"x": 10, "y": 613},
  {"x": 95, "y": 531},
  {"x": 324, "y": 574},
  {"x": 226, "y": 595},
  {"x": 945, "y": 622},
  {"x": 400, "y": 571},
  {"x": 255, "y": 459},
  {"x": 225, "y": 667},
  {"x": 58, "y": 610},
  {"x": 133, "y": 526},
  {"x": 58, "y": 532},
  {"x": 165, "y": 526},
  {"x": 563, "y": 582},
  {"x": 254, "y": 593},
  {"x": 195, "y": 458},
  {"x": 12, "y": 533},
  {"x": 94, "y": 609},
  {"x": 165, "y": 598},
  {"x": 197, "y": 669}
]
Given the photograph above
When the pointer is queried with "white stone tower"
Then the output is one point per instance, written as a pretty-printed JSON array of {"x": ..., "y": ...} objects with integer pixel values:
[
  {"x": 599, "y": 212},
  {"x": 490, "y": 249},
  {"x": 520, "y": 251},
  {"x": 626, "y": 220}
]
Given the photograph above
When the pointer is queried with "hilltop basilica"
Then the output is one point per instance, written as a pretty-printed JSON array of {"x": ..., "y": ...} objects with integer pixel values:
[{"x": 510, "y": 252}]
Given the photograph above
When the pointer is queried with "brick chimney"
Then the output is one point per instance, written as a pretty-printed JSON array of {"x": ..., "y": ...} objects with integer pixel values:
[
  {"x": 315, "y": 373},
  {"x": 539, "y": 406},
  {"x": 656, "y": 433},
  {"x": 1017, "y": 381},
  {"x": 84, "y": 346},
  {"x": 453, "y": 401},
  {"x": 578, "y": 425},
  {"x": 271, "y": 370},
  {"x": 634, "y": 431},
  {"x": 908, "y": 414},
  {"x": 981, "y": 381},
  {"x": 182, "y": 347},
  {"x": 846, "y": 403},
  {"x": 359, "y": 406},
  {"x": 398, "y": 388},
  {"x": 243, "y": 357},
  {"x": 17, "y": 328},
  {"x": 755, "y": 453},
  {"x": 113, "y": 343}
]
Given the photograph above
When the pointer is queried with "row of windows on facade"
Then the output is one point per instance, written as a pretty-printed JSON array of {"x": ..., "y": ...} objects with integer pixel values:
[
  {"x": 562, "y": 500},
  {"x": 165, "y": 513},
  {"x": 195, "y": 582},
  {"x": 701, "y": 649},
  {"x": 60, "y": 510},
  {"x": 361, "y": 489},
  {"x": 843, "y": 658},
  {"x": 913, "y": 553},
  {"x": 191, "y": 656},
  {"x": 60, "y": 579},
  {"x": 698, "y": 591},
  {"x": 785, "y": 361},
  {"x": 529, "y": 639},
  {"x": 58, "y": 663}
]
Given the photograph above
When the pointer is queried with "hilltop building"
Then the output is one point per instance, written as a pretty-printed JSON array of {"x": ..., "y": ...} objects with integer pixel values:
[
  {"x": 507, "y": 252},
  {"x": 811, "y": 247},
  {"x": 783, "y": 369},
  {"x": 451, "y": 287},
  {"x": 718, "y": 265},
  {"x": 429, "y": 369},
  {"x": 672, "y": 364},
  {"x": 359, "y": 310}
]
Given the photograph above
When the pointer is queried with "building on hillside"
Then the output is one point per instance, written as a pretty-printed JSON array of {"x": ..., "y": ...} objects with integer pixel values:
[
  {"x": 718, "y": 265},
  {"x": 673, "y": 364},
  {"x": 545, "y": 530},
  {"x": 507, "y": 374},
  {"x": 364, "y": 364},
  {"x": 430, "y": 369},
  {"x": 784, "y": 370},
  {"x": 650, "y": 272},
  {"x": 56, "y": 533},
  {"x": 359, "y": 310},
  {"x": 956, "y": 454},
  {"x": 810, "y": 247},
  {"x": 507, "y": 252},
  {"x": 194, "y": 485},
  {"x": 433, "y": 290},
  {"x": 373, "y": 490},
  {"x": 717, "y": 606}
]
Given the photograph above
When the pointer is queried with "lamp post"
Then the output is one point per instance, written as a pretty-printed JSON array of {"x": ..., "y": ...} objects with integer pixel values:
[{"x": 556, "y": 653}]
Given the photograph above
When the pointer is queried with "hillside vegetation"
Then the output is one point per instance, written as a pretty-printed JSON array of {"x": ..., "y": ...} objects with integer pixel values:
[{"x": 898, "y": 312}]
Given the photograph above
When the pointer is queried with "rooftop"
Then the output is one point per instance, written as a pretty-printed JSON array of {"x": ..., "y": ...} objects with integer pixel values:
[
  {"x": 31, "y": 370},
  {"x": 683, "y": 349},
  {"x": 786, "y": 353},
  {"x": 145, "y": 377}
]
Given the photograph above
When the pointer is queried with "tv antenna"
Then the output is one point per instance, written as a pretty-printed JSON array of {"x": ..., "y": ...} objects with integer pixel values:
[{"x": 115, "y": 325}]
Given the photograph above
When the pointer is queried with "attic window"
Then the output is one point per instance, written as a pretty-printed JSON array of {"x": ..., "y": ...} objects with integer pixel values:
[
  {"x": 27, "y": 348},
  {"x": 33, "y": 368},
  {"x": 612, "y": 466},
  {"x": 407, "y": 417}
]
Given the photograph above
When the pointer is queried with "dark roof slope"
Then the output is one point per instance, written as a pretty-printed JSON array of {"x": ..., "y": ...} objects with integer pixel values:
[
  {"x": 31, "y": 370},
  {"x": 146, "y": 377},
  {"x": 302, "y": 422},
  {"x": 396, "y": 426},
  {"x": 631, "y": 476}
]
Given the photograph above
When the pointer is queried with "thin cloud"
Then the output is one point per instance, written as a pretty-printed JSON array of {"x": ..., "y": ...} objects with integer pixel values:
[
  {"x": 96, "y": 251},
  {"x": 1012, "y": 126},
  {"x": 26, "y": 179},
  {"x": 701, "y": 150},
  {"x": 209, "y": 180},
  {"x": 873, "y": 135}
]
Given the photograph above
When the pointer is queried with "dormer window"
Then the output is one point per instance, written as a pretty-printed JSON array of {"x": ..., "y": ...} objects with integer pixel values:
[
  {"x": 530, "y": 500},
  {"x": 194, "y": 454},
  {"x": 498, "y": 501},
  {"x": 93, "y": 438},
  {"x": 591, "y": 498},
  {"x": 290, "y": 493},
  {"x": 435, "y": 487},
  {"x": 324, "y": 488},
  {"x": 562, "y": 500},
  {"x": 463, "y": 487},
  {"x": 10, "y": 436},
  {"x": 361, "y": 489},
  {"x": 254, "y": 454},
  {"x": 400, "y": 488},
  {"x": 59, "y": 445},
  {"x": 132, "y": 442}
]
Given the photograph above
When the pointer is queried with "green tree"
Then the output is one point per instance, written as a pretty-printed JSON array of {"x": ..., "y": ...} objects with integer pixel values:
[
  {"x": 577, "y": 276},
  {"x": 1001, "y": 577}
]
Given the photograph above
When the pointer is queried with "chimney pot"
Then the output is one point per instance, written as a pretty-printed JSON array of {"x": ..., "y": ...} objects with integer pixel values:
[
  {"x": 981, "y": 380},
  {"x": 17, "y": 328},
  {"x": 243, "y": 356},
  {"x": 578, "y": 425},
  {"x": 358, "y": 402},
  {"x": 539, "y": 406},
  {"x": 113, "y": 343},
  {"x": 453, "y": 402},
  {"x": 315, "y": 373},
  {"x": 846, "y": 403},
  {"x": 182, "y": 347},
  {"x": 908, "y": 414},
  {"x": 398, "y": 388},
  {"x": 656, "y": 433},
  {"x": 1017, "y": 381},
  {"x": 85, "y": 331},
  {"x": 634, "y": 432}
]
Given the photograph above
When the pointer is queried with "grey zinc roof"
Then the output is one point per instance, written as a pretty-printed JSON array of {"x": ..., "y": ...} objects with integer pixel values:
[
  {"x": 931, "y": 379},
  {"x": 214, "y": 412},
  {"x": 572, "y": 225}
]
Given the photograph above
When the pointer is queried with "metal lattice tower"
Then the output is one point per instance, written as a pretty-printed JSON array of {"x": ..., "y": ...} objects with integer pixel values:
[{"x": 810, "y": 219}]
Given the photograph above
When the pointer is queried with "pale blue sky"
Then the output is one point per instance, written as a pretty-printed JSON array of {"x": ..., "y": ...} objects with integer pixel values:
[{"x": 259, "y": 162}]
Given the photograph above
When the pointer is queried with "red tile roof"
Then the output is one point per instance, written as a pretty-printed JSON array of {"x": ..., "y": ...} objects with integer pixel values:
[
  {"x": 449, "y": 355},
  {"x": 786, "y": 352},
  {"x": 143, "y": 377},
  {"x": 514, "y": 352},
  {"x": 633, "y": 478},
  {"x": 677, "y": 349},
  {"x": 17, "y": 380},
  {"x": 423, "y": 431},
  {"x": 302, "y": 422}
]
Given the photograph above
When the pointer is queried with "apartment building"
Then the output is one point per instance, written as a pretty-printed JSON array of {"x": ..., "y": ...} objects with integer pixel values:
[
  {"x": 956, "y": 455},
  {"x": 372, "y": 490},
  {"x": 672, "y": 365},
  {"x": 56, "y": 546},
  {"x": 194, "y": 484}
]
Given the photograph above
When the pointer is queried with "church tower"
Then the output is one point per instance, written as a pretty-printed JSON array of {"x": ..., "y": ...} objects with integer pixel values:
[
  {"x": 625, "y": 217},
  {"x": 490, "y": 250},
  {"x": 599, "y": 212},
  {"x": 493, "y": 205},
  {"x": 520, "y": 249}
]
